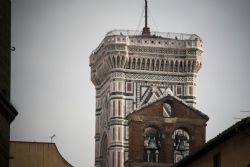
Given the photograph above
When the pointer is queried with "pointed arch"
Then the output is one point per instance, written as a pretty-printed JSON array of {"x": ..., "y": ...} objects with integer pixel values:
[
  {"x": 181, "y": 67},
  {"x": 110, "y": 61},
  {"x": 162, "y": 65},
  {"x": 143, "y": 64},
  {"x": 122, "y": 62},
  {"x": 171, "y": 66},
  {"x": 148, "y": 64},
  {"x": 113, "y": 60},
  {"x": 133, "y": 63},
  {"x": 118, "y": 62},
  {"x": 176, "y": 66},
  {"x": 157, "y": 65},
  {"x": 166, "y": 65},
  {"x": 153, "y": 65},
  {"x": 189, "y": 66},
  {"x": 193, "y": 66},
  {"x": 129, "y": 63},
  {"x": 185, "y": 66},
  {"x": 104, "y": 150},
  {"x": 138, "y": 66}
]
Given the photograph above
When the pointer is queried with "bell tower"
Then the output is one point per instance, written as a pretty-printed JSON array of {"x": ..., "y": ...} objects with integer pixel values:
[{"x": 131, "y": 69}]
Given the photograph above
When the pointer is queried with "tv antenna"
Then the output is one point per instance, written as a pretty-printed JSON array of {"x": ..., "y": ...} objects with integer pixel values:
[{"x": 52, "y": 137}]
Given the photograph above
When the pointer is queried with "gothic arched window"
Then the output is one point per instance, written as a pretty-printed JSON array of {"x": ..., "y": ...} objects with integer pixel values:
[
  {"x": 143, "y": 64},
  {"x": 133, "y": 64},
  {"x": 104, "y": 151},
  {"x": 147, "y": 65},
  {"x": 181, "y": 144},
  {"x": 152, "y": 144}
]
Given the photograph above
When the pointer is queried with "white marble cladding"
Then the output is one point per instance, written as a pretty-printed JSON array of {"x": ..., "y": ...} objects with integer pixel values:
[
  {"x": 130, "y": 70},
  {"x": 176, "y": 40}
]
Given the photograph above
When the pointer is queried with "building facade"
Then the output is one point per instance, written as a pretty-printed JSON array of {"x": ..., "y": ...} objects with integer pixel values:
[
  {"x": 5, "y": 47},
  {"x": 130, "y": 69},
  {"x": 230, "y": 148},
  {"x": 35, "y": 154},
  {"x": 160, "y": 137},
  {"x": 7, "y": 111}
]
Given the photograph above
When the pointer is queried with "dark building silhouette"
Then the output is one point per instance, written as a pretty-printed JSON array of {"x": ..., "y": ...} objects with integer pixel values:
[
  {"x": 7, "y": 111},
  {"x": 230, "y": 148},
  {"x": 5, "y": 21}
]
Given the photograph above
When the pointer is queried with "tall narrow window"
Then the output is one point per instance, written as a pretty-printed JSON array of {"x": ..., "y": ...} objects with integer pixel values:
[
  {"x": 178, "y": 90},
  {"x": 104, "y": 151},
  {"x": 190, "y": 90},
  {"x": 143, "y": 64},
  {"x": 113, "y": 133},
  {"x": 119, "y": 159},
  {"x": 126, "y": 132},
  {"x": 217, "y": 160},
  {"x": 113, "y": 157},
  {"x": 119, "y": 86},
  {"x": 129, "y": 87},
  {"x": 133, "y": 64},
  {"x": 125, "y": 155},
  {"x": 119, "y": 133},
  {"x": 147, "y": 65},
  {"x": 113, "y": 108},
  {"x": 119, "y": 108},
  {"x": 114, "y": 86}
]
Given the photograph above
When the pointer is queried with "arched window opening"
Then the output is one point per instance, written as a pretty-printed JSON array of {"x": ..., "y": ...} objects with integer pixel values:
[
  {"x": 153, "y": 65},
  {"x": 143, "y": 64},
  {"x": 129, "y": 63},
  {"x": 194, "y": 66},
  {"x": 113, "y": 60},
  {"x": 147, "y": 66},
  {"x": 185, "y": 66},
  {"x": 157, "y": 65},
  {"x": 104, "y": 151},
  {"x": 133, "y": 64},
  {"x": 118, "y": 61},
  {"x": 162, "y": 65},
  {"x": 176, "y": 66},
  {"x": 152, "y": 144},
  {"x": 138, "y": 64},
  {"x": 181, "y": 144},
  {"x": 171, "y": 66},
  {"x": 181, "y": 67},
  {"x": 167, "y": 66},
  {"x": 189, "y": 66}
]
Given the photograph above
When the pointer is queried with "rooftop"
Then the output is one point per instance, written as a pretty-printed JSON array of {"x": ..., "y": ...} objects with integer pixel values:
[{"x": 154, "y": 34}]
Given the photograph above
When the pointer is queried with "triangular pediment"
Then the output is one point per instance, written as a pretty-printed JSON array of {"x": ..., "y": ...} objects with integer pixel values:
[{"x": 169, "y": 106}]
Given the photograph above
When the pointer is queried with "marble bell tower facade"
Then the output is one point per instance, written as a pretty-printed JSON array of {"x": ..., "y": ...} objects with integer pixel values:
[{"x": 132, "y": 68}]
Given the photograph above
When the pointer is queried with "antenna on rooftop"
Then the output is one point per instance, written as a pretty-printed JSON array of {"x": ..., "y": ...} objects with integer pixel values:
[
  {"x": 51, "y": 137},
  {"x": 146, "y": 29}
]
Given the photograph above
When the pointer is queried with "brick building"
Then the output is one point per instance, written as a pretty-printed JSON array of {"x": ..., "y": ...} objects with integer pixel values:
[
  {"x": 7, "y": 111},
  {"x": 161, "y": 136}
]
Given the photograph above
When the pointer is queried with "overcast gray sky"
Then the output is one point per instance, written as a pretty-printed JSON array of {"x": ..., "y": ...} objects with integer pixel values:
[{"x": 51, "y": 85}]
